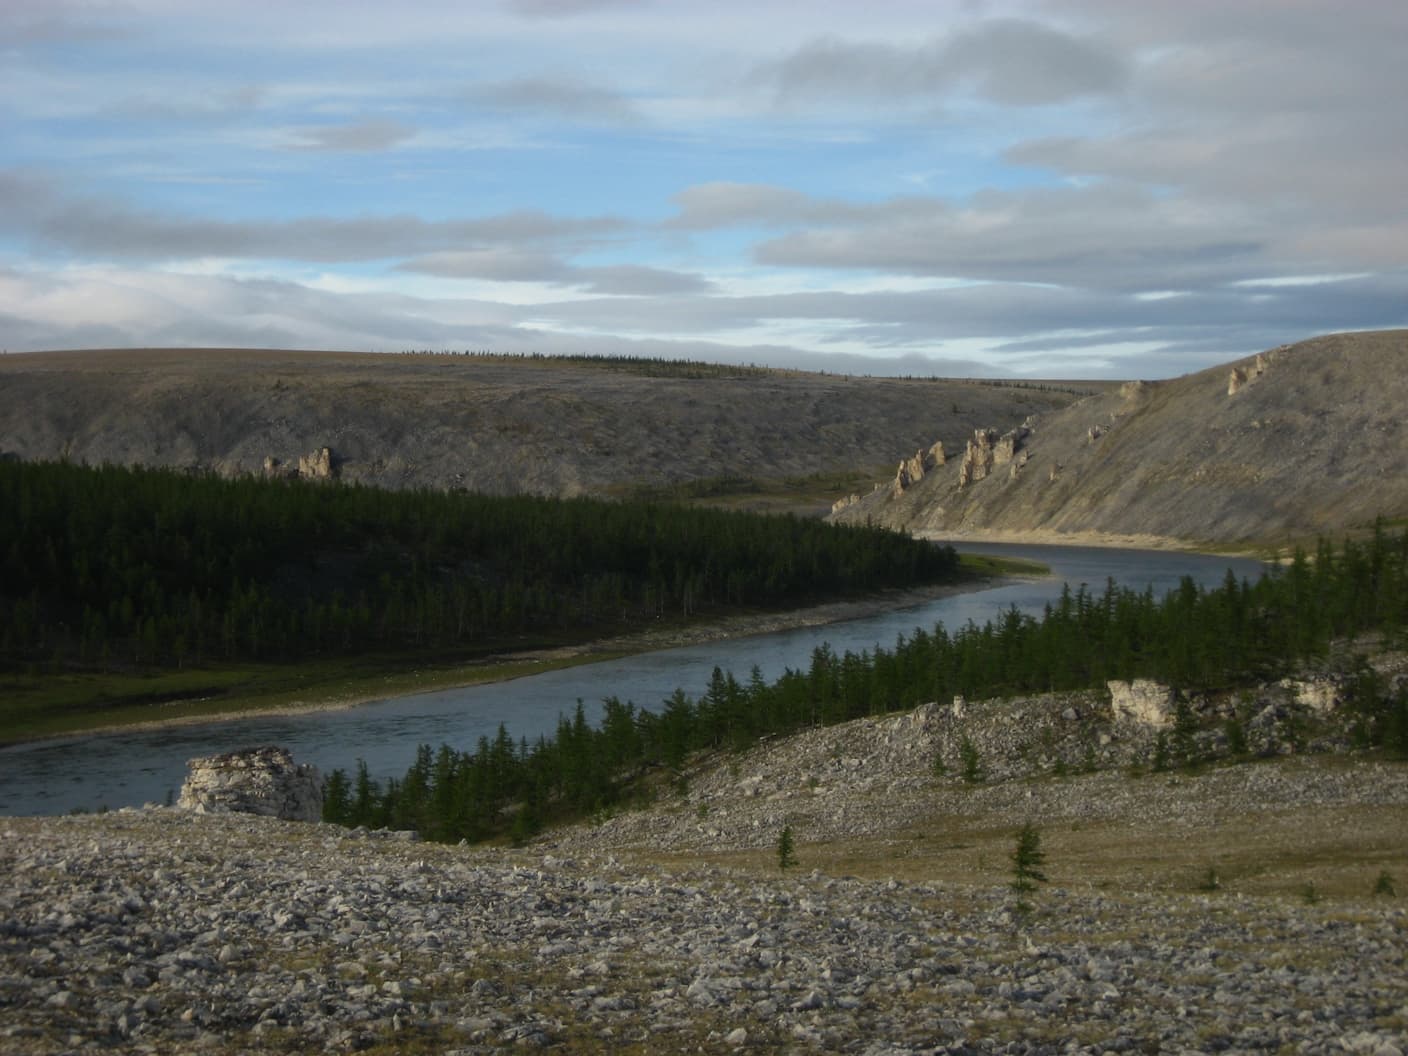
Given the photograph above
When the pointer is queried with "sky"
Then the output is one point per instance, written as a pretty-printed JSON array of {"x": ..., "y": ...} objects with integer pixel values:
[{"x": 1084, "y": 189}]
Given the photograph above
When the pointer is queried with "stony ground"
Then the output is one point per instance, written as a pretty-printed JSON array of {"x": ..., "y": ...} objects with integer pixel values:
[
  {"x": 162, "y": 931},
  {"x": 1229, "y": 909}
]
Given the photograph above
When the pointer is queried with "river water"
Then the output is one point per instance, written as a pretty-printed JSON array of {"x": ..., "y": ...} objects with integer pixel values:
[{"x": 131, "y": 768}]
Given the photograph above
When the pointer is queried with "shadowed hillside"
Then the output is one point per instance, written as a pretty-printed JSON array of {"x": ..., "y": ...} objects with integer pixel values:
[
  {"x": 1297, "y": 441},
  {"x": 547, "y": 427}
]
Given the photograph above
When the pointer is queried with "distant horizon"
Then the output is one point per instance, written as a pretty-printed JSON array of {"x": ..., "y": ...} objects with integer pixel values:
[
  {"x": 967, "y": 188},
  {"x": 569, "y": 357}
]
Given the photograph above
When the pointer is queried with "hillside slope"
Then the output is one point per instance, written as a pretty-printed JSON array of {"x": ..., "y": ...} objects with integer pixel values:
[
  {"x": 1301, "y": 440},
  {"x": 520, "y": 426}
]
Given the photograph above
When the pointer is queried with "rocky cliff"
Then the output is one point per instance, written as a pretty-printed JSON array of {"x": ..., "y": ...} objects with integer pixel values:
[{"x": 1297, "y": 441}]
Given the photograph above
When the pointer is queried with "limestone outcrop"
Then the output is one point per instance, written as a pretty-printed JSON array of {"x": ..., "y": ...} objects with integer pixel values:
[
  {"x": 977, "y": 457},
  {"x": 316, "y": 465},
  {"x": 844, "y": 501},
  {"x": 987, "y": 450},
  {"x": 1143, "y": 700},
  {"x": 263, "y": 781},
  {"x": 320, "y": 464},
  {"x": 913, "y": 469},
  {"x": 1241, "y": 377}
]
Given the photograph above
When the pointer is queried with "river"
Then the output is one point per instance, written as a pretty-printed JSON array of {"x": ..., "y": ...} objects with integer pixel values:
[{"x": 130, "y": 768}]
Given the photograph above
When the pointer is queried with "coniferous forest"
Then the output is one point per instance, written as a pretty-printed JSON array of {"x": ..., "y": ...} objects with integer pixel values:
[
  {"x": 123, "y": 568},
  {"x": 1194, "y": 638}
]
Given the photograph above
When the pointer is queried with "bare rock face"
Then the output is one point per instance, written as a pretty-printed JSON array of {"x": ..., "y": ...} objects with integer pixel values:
[
  {"x": 977, "y": 457},
  {"x": 263, "y": 781},
  {"x": 1008, "y": 445},
  {"x": 1142, "y": 700},
  {"x": 1241, "y": 377},
  {"x": 844, "y": 501},
  {"x": 987, "y": 450},
  {"x": 1320, "y": 695},
  {"x": 913, "y": 469},
  {"x": 316, "y": 465}
]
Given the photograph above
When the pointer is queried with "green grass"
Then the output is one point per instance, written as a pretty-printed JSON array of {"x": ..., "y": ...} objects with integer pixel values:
[
  {"x": 809, "y": 495},
  {"x": 983, "y": 565},
  {"x": 39, "y": 706}
]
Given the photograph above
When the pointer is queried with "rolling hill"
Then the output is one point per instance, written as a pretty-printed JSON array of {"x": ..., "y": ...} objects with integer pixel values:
[
  {"x": 501, "y": 426},
  {"x": 1294, "y": 442}
]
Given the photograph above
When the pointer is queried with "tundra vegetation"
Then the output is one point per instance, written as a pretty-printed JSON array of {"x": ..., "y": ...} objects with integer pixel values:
[{"x": 1194, "y": 637}]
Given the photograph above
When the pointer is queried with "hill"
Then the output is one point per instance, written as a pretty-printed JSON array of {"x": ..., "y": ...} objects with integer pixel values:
[
  {"x": 1301, "y": 440},
  {"x": 491, "y": 424}
]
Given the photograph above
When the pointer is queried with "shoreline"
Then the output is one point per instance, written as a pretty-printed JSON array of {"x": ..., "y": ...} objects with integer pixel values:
[
  {"x": 1097, "y": 540},
  {"x": 597, "y": 650}
]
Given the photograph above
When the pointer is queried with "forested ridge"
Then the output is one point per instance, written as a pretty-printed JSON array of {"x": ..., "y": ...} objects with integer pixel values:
[
  {"x": 147, "y": 568},
  {"x": 1193, "y": 637}
]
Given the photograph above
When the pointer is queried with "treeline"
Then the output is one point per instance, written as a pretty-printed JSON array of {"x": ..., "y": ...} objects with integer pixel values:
[
  {"x": 122, "y": 566},
  {"x": 650, "y": 366},
  {"x": 1193, "y": 637}
]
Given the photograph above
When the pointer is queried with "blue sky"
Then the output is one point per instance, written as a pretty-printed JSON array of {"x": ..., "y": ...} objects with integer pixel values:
[{"x": 1083, "y": 189}]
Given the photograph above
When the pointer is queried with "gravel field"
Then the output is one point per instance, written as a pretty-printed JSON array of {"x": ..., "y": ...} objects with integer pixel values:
[{"x": 672, "y": 929}]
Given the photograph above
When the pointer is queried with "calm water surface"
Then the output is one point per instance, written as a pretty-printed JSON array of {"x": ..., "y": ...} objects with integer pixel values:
[{"x": 128, "y": 769}]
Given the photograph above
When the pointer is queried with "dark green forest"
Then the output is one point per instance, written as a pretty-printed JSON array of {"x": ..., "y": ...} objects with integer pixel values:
[
  {"x": 1192, "y": 637},
  {"x": 130, "y": 568}
]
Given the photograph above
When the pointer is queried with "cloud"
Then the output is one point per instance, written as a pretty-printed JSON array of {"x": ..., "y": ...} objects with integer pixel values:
[
  {"x": 637, "y": 280},
  {"x": 1007, "y": 61},
  {"x": 909, "y": 333},
  {"x": 1120, "y": 237},
  {"x": 358, "y": 137},
  {"x": 217, "y": 105},
  {"x": 501, "y": 264},
  {"x": 725, "y": 204},
  {"x": 574, "y": 100},
  {"x": 60, "y": 21},
  {"x": 33, "y": 207},
  {"x": 1057, "y": 321},
  {"x": 565, "y": 8}
]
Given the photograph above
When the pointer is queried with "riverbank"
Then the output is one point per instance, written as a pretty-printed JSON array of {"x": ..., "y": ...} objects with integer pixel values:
[{"x": 337, "y": 689}]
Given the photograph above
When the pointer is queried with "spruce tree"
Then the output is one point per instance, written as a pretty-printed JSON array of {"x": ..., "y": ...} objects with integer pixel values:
[{"x": 786, "y": 852}]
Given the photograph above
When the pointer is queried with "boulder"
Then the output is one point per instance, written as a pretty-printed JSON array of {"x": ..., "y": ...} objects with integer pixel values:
[
  {"x": 1142, "y": 700},
  {"x": 263, "y": 781}
]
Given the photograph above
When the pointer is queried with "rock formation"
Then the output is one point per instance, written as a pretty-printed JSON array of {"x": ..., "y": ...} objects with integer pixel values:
[
  {"x": 912, "y": 470},
  {"x": 844, "y": 501},
  {"x": 987, "y": 450},
  {"x": 1241, "y": 377},
  {"x": 977, "y": 457},
  {"x": 263, "y": 781},
  {"x": 1142, "y": 700},
  {"x": 1008, "y": 444},
  {"x": 316, "y": 465}
]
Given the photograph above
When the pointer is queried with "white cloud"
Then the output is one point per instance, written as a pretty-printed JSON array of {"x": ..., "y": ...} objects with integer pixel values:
[
  {"x": 358, "y": 136},
  {"x": 556, "y": 97},
  {"x": 1007, "y": 61}
]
